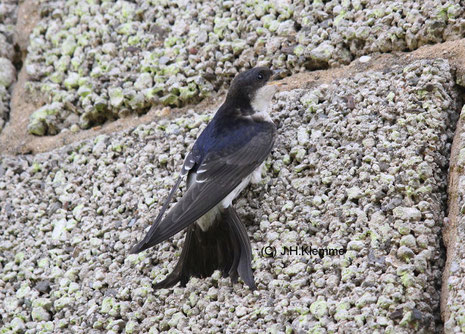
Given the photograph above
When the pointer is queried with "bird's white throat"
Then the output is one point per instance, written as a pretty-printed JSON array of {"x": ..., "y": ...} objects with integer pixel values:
[{"x": 261, "y": 102}]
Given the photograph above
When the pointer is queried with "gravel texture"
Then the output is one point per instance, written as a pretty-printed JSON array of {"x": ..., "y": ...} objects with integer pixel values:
[
  {"x": 8, "y": 15},
  {"x": 360, "y": 164},
  {"x": 101, "y": 60}
]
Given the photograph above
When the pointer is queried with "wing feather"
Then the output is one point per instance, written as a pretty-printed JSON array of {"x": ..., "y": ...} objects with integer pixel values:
[{"x": 221, "y": 174}]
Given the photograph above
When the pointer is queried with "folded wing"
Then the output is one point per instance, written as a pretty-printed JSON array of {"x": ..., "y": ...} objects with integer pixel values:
[{"x": 219, "y": 173}]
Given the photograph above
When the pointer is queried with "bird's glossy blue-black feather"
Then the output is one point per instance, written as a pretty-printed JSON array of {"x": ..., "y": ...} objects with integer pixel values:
[
  {"x": 224, "y": 135},
  {"x": 227, "y": 152}
]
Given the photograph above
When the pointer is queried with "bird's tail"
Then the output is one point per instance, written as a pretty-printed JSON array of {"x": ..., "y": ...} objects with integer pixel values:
[{"x": 224, "y": 246}]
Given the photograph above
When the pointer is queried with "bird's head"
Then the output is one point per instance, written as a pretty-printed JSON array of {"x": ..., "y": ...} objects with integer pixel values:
[{"x": 253, "y": 87}]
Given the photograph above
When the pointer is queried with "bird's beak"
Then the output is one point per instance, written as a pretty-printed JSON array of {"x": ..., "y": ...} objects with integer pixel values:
[
  {"x": 275, "y": 79},
  {"x": 275, "y": 83}
]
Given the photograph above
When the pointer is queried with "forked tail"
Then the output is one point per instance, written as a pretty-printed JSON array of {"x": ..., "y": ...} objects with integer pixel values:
[{"x": 224, "y": 246}]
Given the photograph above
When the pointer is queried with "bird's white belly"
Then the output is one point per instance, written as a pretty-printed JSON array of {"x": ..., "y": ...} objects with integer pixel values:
[{"x": 209, "y": 218}]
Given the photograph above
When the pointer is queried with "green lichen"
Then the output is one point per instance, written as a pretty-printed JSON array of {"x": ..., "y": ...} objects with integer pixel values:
[{"x": 319, "y": 308}]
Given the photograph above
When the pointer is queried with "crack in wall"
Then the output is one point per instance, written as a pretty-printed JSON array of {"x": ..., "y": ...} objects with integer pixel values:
[{"x": 449, "y": 233}]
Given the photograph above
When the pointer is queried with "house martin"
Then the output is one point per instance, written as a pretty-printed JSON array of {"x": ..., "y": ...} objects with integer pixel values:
[{"x": 226, "y": 157}]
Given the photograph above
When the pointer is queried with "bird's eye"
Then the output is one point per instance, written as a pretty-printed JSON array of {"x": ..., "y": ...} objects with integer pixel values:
[{"x": 260, "y": 76}]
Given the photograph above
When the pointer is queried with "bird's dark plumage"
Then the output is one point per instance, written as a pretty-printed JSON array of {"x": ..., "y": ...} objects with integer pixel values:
[
  {"x": 225, "y": 246},
  {"x": 233, "y": 145}
]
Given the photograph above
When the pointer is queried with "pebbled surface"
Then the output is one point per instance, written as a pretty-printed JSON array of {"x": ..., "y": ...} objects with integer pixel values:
[
  {"x": 98, "y": 61},
  {"x": 360, "y": 164},
  {"x": 8, "y": 17}
]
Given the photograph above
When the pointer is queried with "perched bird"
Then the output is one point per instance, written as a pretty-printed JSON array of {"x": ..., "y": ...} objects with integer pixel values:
[{"x": 227, "y": 155}]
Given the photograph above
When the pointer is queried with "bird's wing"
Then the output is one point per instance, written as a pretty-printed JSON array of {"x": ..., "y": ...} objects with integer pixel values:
[
  {"x": 218, "y": 174},
  {"x": 189, "y": 162}
]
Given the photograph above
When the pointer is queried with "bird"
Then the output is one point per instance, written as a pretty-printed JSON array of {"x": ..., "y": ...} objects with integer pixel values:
[{"x": 225, "y": 158}]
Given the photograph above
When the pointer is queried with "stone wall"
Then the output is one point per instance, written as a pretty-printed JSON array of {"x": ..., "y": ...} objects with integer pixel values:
[{"x": 95, "y": 140}]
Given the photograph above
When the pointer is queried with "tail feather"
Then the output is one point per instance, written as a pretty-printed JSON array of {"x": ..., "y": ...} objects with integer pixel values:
[
  {"x": 238, "y": 230},
  {"x": 225, "y": 246}
]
